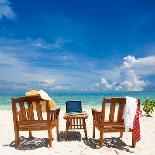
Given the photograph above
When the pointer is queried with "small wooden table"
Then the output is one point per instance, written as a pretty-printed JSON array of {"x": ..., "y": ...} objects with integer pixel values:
[{"x": 76, "y": 121}]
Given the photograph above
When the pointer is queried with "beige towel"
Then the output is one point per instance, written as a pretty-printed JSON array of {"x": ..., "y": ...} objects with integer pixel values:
[{"x": 44, "y": 96}]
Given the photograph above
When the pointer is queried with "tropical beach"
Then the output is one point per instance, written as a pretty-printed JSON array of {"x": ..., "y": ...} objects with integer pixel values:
[
  {"x": 76, "y": 143},
  {"x": 87, "y": 65}
]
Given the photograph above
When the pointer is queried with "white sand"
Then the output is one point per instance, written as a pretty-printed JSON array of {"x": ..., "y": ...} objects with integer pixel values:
[{"x": 77, "y": 145}]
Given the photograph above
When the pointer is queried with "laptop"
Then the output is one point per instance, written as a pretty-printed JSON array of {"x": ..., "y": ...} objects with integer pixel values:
[{"x": 74, "y": 107}]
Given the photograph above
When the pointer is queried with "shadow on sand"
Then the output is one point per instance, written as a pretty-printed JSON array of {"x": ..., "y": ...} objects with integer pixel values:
[
  {"x": 112, "y": 142},
  {"x": 30, "y": 143},
  {"x": 35, "y": 143},
  {"x": 71, "y": 136}
]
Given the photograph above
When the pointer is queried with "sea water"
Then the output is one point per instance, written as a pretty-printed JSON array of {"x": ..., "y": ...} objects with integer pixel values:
[{"x": 88, "y": 99}]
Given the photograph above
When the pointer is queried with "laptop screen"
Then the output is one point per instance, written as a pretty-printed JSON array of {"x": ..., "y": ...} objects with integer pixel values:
[{"x": 73, "y": 106}]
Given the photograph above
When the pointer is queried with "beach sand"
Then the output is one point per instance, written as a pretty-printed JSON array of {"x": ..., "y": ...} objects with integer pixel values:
[{"x": 76, "y": 144}]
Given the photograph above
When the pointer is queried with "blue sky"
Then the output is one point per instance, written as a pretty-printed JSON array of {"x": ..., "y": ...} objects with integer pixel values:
[{"x": 86, "y": 45}]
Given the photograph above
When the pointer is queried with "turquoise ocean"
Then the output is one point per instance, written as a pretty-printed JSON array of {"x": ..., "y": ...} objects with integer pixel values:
[{"x": 89, "y": 99}]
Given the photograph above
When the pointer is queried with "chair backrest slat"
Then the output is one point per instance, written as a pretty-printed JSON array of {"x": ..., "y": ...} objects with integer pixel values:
[
  {"x": 30, "y": 111},
  {"x": 39, "y": 111},
  {"x": 48, "y": 110},
  {"x": 23, "y": 112},
  {"x": 103, "y": 110},
  {"x": 112, "y": 111},
  {"x": 120, "y": 112}
]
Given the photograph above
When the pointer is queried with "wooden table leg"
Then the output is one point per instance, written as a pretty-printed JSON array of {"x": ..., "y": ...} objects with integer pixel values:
[
  {"x": 93, "y": 130},
  {"x": 85, "y": 130},
  {"x": 30, "y": 134},
  {"x": 67, "y": 127}
]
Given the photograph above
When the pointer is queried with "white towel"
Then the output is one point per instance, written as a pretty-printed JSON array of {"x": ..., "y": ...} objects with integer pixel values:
[
  {"x": 44, "y": 95},
  {"x": 129, "y": 112}
]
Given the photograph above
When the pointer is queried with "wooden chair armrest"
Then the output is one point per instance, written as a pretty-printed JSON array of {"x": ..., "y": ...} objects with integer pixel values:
[
  {"x": 95, "y": 110},
  {"x": 55, "y": 109},
  {"x": 54, "y": 114},
  {"x": 96, "y": 115}
]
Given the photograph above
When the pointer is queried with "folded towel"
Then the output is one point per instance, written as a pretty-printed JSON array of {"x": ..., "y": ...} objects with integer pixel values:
[
  {"x": 129, "y": 112},
  {"x": 131, "y": 117}
]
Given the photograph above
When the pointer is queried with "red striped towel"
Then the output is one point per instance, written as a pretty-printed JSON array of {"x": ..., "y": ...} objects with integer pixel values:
[{"x": 136, "y": 125}]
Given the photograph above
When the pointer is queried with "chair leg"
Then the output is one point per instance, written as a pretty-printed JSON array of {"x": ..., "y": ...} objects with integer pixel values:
[
  {"x": 133, "y": 142},
  {"x": 101, "y": 138},
  {"x": 85, "y": 130},
  {"x": 121, "y": 134},
  {"x": 30, "y": 134},
  {"x": 17, "y": 137},
  {"x": 93, "y": 131},
  {"x": 50, "y": 136},
  {"x": 66, "y": 131},
  {"x": 57, "y": 131}
]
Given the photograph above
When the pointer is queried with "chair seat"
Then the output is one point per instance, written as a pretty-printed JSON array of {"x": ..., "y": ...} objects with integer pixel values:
[
  {"x": 33, "y": 126},
  {"x": 114, "y": 127},
  {"x": 108, "y": 126}
]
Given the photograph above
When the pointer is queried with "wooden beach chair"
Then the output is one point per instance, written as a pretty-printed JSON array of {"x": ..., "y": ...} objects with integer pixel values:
[
  {"x": 110, "y": 125},
  {"x": 26, "y": 119}
]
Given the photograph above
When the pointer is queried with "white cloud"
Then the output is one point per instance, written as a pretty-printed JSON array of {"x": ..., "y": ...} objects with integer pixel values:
[
  {"x": 131, "y": 74},
  {"x": 49, "y": 81},
  {"x": 14, "y": 69},
  {"x": 61, "y": 87},
  {"x": 105, "y": 84},
  {"x": 129, "y": 61},
  {"x": 22, "y": 62},
  {"x": 53, "y": 68},
  {"x": 142, "y": 66},
  {"x": 19, "y": 75},
  {"x": 145, "y": 66},
  {"x": 57, "y": 44},
  {"x": 29, "y": 85},
  {"x": 6, "y": 10},
  {"x": 131, "y": 80}
]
